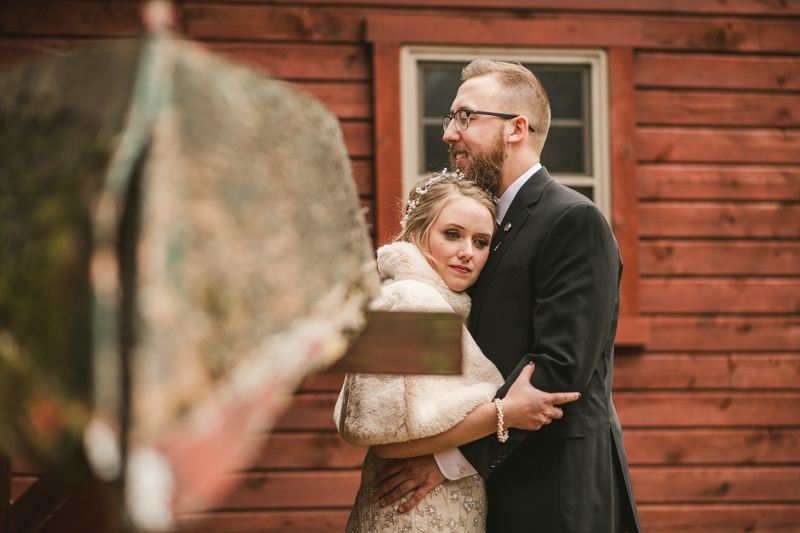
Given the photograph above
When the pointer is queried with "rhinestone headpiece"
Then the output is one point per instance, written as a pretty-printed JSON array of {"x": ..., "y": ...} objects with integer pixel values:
[{"x": 443, "y": 175}]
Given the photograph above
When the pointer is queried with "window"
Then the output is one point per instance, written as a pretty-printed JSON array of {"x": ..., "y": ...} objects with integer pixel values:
[{"x": 576, "y": 151}]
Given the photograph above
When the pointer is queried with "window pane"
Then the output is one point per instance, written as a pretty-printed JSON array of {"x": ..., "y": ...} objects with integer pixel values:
[
  {"x": 440, "y": 84},
  {"x": 588, "y": 192},
  {"x": 564, "y": 88},
  {"x": 567, "y": 86},
  {"x": 564, "y": 150},
  {"x": 436, "y": 150}
]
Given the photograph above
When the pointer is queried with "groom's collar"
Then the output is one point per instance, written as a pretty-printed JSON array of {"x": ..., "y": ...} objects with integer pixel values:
[{"x": 513, "y": 189}]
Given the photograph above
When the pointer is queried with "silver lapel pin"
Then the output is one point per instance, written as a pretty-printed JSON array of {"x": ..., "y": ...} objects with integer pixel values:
[{"x": 507, "y": 227}]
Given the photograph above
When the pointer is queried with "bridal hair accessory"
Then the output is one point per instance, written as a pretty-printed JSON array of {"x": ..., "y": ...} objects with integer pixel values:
[
  {"x": 443, "y": 175},
  {"x": 502, "y": 433}
]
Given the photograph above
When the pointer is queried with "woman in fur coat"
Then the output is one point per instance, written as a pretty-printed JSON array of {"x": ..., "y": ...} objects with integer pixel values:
[{"x": 444, "y": 244}]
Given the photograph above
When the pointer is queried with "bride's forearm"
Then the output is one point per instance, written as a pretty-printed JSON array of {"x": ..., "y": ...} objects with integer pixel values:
[{"x": 480, "y": 422}]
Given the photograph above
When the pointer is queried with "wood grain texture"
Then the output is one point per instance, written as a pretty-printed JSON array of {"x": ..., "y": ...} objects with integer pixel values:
[
  {"x": 712, "y": 71},
  {"x": 730, "y": 7},
  {"x": 637, "y": 408},
  {"x": 345, "y": 100},
  {"x": 558, "y": 30},
  {"x": 280, "y": 521},
  {"x": 716, "y": 219},
  {"x": 760, "y": 371},
  {"x": 670, "y": 371},
  {"x": 721, "y": 34},
  {"x": 271, "y": 23},
  {"x": 301, "y": 61},
  {"x": 716, "y": 182},
  {"x": 747, "y": 334},
  {"x": 318, "y": 450},
  {"x": 68, "y": 18},
  {"x": 308, "y": 450},
  {"x": 720, "y": 295},
  {"x": 712, "y": 446},
  {"x": 322, "y": 383},
  {"x": 313, "y": 411},
  {"x": 363, "y": 176},
  {"x": 622, "y": 122},
  {"x": 703, "y": 108},
  {"x": 718, "y": 145},
  {"x": 646, "y": 409},
  {"x": 716, "y": 484},
  {"x": 719, "y": 258},
  {"x": 567, "y": 29},
  {"x": 720, "y": 518},
  {"x": 16, "y": 49},
  {"x": 294, "y": 490},
  {"x": 713, "y": 371},
  {"x": 357, "y": 138},
  {"x": 388, "y": 159},
  {"x": 405, "y": 343}
]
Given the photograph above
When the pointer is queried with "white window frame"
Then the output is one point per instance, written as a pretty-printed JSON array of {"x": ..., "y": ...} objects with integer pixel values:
[{"x": 600, "y": 170}]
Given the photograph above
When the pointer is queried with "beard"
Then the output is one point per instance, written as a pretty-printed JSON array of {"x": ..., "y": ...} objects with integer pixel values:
[{"x": 485, "y": 169}]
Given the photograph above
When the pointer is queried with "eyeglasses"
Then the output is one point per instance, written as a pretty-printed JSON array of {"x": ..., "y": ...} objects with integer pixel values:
[{"x": 462, "y": 118}]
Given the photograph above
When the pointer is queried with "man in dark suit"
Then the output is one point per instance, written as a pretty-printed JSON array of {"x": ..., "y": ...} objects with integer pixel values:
[{"x": 549, "y": 294}]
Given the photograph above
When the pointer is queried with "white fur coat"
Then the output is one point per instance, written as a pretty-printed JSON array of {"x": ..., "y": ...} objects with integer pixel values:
[{"x": 380, "y": 409}]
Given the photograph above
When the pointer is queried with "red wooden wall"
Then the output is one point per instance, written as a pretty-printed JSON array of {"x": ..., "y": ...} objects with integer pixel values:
[{"x": 711, "y": 406}]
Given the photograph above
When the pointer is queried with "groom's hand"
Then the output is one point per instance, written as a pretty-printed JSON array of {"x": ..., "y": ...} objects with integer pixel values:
[{"x": 391, "y": 483}]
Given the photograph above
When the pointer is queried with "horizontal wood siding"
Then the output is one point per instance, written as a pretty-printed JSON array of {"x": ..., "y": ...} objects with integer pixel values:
[
  {"x": 719, "y": 201},
  {"x": 711, "y": 405}
]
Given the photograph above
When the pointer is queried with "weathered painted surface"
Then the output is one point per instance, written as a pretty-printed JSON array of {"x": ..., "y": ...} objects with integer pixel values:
[{"x": 212, "y": 213}]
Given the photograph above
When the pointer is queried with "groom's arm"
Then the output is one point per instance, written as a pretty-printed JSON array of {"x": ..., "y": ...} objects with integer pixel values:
[{"x": 576, "y": 289}]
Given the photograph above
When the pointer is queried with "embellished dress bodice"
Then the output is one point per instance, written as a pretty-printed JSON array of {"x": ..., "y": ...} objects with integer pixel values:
[
  {"x": 452, "y": 507},
  {"x": 375, "y": 409}
]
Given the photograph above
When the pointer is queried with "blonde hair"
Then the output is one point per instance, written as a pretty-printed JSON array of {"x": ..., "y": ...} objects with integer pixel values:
[
  {"x": 522, "y": 92},
  {"x": 429, "y": 206}
]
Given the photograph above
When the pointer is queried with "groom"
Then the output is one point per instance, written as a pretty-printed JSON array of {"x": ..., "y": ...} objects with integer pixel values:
[{"x": 549, "y": 294}]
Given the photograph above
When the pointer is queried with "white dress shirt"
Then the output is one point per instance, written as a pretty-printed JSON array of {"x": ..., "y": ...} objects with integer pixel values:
[
  {"x": 513, "y": 189},
  {"x": 452, "y": 462}
]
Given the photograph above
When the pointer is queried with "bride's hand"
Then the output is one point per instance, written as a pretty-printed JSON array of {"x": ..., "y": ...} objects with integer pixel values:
[{"x": 527, "y": 407}]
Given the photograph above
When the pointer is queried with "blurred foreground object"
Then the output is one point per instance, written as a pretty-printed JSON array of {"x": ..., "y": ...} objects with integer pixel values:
[{"x": 181, "y": 243}]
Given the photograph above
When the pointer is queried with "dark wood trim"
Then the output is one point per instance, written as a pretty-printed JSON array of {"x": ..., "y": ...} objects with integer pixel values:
[
  {"x": 5, "y": 492},
  {"x": 405, "y": 343},
  {"x": 36, "y": 504},
  {"x": 95, "y": 507}
]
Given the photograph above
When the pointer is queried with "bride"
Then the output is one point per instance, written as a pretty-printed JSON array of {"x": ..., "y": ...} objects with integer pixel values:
[{"x": 444, "y": 244}]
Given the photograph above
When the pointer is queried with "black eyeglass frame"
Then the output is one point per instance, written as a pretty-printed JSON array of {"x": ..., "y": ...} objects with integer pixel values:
[{"x": 447, "y": 119}]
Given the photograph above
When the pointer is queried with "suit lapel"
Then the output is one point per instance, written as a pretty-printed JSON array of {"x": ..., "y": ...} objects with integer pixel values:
[{"x": 517, "y": 215}]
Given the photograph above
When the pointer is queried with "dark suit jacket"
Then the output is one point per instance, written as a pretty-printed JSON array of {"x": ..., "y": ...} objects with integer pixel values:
[{"x": 549, "y": 293}]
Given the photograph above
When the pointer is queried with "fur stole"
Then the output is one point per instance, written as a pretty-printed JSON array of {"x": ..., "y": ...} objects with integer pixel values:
[{"x": 380, "y": 409}]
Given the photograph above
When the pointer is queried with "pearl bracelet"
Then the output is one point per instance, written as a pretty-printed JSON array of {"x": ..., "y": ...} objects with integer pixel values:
[{"x": 502, "y": 433}]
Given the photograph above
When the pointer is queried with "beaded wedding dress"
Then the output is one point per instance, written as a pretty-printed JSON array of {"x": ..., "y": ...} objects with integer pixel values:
[
  {"x": 452, "y": 507},
  {"x": 374, "y": 409}
]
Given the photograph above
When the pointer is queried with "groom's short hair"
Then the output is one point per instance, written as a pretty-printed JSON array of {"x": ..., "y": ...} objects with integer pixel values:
[{"x": 523, "y": 94}]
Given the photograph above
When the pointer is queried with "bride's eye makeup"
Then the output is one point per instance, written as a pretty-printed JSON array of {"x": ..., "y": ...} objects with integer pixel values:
[
  {"x": 451, "y": 234},
  {"x": 482, "y": 243}
]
